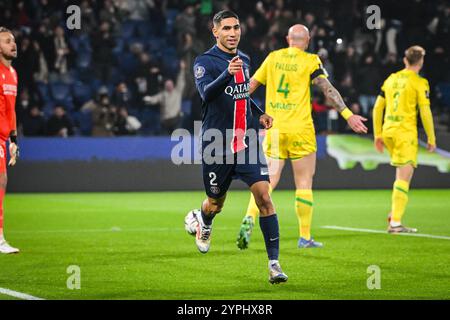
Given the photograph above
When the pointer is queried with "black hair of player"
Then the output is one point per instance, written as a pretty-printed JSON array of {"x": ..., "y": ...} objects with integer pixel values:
[{"x": 224, "y": 14}]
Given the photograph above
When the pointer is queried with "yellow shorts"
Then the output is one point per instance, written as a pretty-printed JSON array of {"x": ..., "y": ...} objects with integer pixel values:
[
  {"x": 403, "y": 149},
  {"x": 289, "y": 145}
]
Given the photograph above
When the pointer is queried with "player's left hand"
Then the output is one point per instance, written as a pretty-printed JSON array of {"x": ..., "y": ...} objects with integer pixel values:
[
  {"x": 431, "y": 147},
  {"x": 356, "y": 123},
  {"x": 266, "y": 121},
  {"x": 13, "y": 153}
]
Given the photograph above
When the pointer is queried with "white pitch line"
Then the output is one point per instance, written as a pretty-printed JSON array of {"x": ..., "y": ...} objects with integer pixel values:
[
  {"x": 111, "y": 230},
  {"x": 19, "y": 295},
  {"x": 421, "y": 235}
]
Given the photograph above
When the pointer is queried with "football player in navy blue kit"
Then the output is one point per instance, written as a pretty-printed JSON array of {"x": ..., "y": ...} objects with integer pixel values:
[{"x": 222, "y": 78}]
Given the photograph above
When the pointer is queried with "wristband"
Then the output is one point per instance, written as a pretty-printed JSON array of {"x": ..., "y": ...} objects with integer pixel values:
[
  {"x": 346, "y": 113},
  {"x": 13, "y": 139}
]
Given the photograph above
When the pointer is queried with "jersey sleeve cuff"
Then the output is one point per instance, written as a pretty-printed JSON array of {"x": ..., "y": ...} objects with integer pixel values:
[{"x": 346, "y": 113}]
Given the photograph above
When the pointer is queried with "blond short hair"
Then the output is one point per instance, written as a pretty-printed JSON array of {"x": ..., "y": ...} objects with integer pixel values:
[{"x": 414, "y": 54}]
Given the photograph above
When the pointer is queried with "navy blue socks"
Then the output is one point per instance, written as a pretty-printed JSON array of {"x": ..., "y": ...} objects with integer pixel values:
[{"x": 269, "y": 228}]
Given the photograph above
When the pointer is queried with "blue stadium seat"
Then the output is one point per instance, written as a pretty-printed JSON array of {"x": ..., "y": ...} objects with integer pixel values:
[
  {"x": 120, "y": 45},
  {"x": 83, "y": 59},
  {"x": 48, "y": 109},
  {"x": 83, "y": 120},
  {"x": 171, "y": 15},
  {"x": 149, "y": 118},
  {"x": 444, "y": 92},
  {"x": 62, "y": 95},
  {"x": 128, "y": 28},
  {"x": 156, "y": 44},
  {"x": 144, "y": 29},
  {"x": 59, "y": 90},
  {"x": 80, "y": 43},
  {"x": 44, "y": 91},
  {"x": 95, "y": 84},
  {"x": 116, "y": 76},
  {"x": 128, "y": 63},
  {"x": 186, "y": 107},
  {"x": 74, "y": 43},
  {"x": 170, "y": 60},
  {"x": 81, "y": 92},
  {"x": 85, "y": 42}
]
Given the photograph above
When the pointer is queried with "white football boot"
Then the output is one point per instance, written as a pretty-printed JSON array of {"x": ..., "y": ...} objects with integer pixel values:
[
  {"x": 203, "y": 236},
  {"x": 6, "y": 248}
]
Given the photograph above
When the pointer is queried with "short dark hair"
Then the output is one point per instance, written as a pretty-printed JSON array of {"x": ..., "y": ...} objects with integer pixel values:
[
  {"x": 3, "y": 29},
  {"x": 224, "y": 14},
  {"x": 414, "y": 54}
]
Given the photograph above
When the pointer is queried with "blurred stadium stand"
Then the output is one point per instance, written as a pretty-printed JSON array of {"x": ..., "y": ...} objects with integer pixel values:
[{"x": 144, "y": 40}]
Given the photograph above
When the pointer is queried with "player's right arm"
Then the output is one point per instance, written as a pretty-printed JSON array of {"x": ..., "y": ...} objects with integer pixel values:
[
  {"x": 425, "y": 113},
  {"x": 254, "y": 84},
  {"x": 208, "y": 86},
  {"x": 377, "y": 115}
]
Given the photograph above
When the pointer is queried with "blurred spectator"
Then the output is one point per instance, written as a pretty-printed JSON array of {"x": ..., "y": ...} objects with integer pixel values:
[
  {"x": 103, "y": 114},
  {"x": 347, "y": 90},
  {"x": 109, "y": 13},
  {"x": 170, "y": 101},
  {"x": 185, "y": 22},
  {"x": 126, "y": 124},
  {"x": 390, "y": 65},
  {"x": 41, "y": 74},
  {"x": 138, "y": 10},
  {"x": 60, "y": 57},
  {"x": 24, "y": 102},
  {"x": 328, "y": 66},
  {"x": 188, "y": 50},
  {"x": 34, "y": 122},
  {"x": 153, "y": 30},
  {"x": 87, "y": 17},
  {"x": 59, "y": 124},
  {"x": 122, "y": 96},
  {"x": 27, "y": 64},
  {"x": 102, "y": 43},
  {"x": 369, "y": 83}
]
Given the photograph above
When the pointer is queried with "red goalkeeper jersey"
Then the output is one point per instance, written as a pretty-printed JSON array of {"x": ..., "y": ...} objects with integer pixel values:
[{"x": 8, "y": 93}]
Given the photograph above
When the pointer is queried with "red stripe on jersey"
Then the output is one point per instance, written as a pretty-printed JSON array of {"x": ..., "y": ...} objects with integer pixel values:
[{"x": 240, "y": 119}]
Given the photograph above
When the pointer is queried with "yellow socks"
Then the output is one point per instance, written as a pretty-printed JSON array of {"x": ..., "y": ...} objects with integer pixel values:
[
  {"x": 252, "y": 209},
  {"x": 304, "y": 210},
  {"x": 399, "y": 201}
]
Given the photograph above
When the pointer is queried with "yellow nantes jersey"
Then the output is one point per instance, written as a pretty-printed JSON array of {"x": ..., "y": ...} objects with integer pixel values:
[
  {"x": 287, "y": 74},
  {"x": 404, "y": 91}
]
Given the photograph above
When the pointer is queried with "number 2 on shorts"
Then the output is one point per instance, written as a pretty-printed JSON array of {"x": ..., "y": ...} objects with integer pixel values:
[{"x": 213, "y": 178}]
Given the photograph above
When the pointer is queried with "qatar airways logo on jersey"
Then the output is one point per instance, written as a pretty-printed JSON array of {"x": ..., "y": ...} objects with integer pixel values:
[
  {"x": 9, "y": 90},
  {"x": 238, "y": 91}
]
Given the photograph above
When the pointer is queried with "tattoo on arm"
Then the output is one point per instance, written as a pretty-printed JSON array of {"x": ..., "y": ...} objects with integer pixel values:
[{"x": 330, "y": 93}]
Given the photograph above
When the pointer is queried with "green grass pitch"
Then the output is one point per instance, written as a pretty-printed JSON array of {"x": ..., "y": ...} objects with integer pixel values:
[{"x": 133, "y": 246}]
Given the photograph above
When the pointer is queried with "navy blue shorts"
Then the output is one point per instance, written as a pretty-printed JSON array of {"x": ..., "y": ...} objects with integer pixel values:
[{"x": 217, "y": 177}]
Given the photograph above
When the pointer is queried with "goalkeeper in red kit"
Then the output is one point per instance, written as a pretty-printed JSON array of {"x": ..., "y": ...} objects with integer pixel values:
[{"x": 8, "y": 93}]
